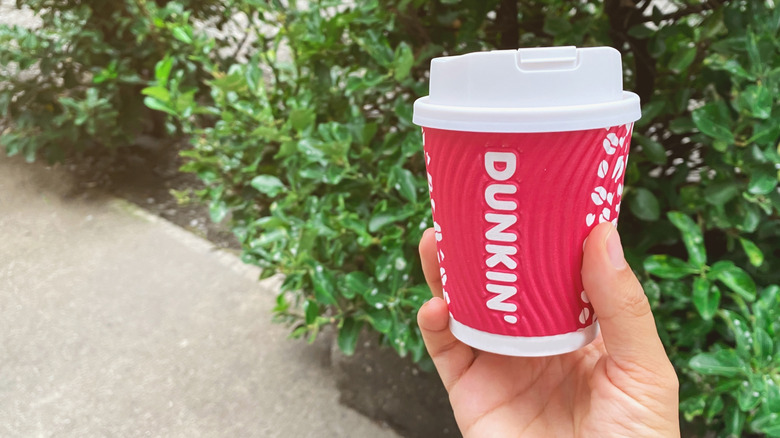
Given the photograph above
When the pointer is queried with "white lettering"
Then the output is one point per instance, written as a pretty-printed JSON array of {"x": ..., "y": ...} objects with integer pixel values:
[
  {"x": 494, "y": 158},
  {"x": 506, "y": 277},
  {"x": 501, "y": 254},
  {"x": 503, "y": 292},
  {"x": 504, "y": 189},
  {"x": 501, "y": 166},
  {"x": 498, "y": 232}
]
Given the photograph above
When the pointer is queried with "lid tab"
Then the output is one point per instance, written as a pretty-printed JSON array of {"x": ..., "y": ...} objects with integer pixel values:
[{"x": 547, "y": 58}]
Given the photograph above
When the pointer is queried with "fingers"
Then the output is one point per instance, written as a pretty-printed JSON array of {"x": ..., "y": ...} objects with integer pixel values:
[
  {"x": 451, "y": 357},
  {"x": 624, "y": 314},
  {"x": 430, "y": 264}
]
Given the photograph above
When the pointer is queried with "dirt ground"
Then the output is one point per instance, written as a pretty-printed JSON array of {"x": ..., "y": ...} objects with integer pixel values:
[{"x": 147, "y": 176}]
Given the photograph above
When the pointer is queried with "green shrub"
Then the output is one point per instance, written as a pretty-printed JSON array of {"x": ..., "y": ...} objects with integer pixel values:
[
  {"x": 309, "y": 150},
  {"x": 77, "y": 78},
  {"x": 314, "y": 154},
  {"x": 714, "y": 122}
]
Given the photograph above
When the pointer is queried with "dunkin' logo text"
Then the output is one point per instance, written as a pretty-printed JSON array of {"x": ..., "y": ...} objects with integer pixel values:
[{"x": 500, "y": 239}]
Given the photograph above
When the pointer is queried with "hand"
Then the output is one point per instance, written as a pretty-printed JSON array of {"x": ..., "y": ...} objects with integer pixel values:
[{"x": 622, "y": 384}]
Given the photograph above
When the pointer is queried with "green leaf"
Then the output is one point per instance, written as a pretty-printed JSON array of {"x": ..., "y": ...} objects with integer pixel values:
[
  {"x": 706, "y": 298},
  {"x": 721, "y": 193},
  {"x": 731, "y": 66},
  {"x": 555, "y": 25},
  {"x": 692, "y": 237},
  {"x": 665, "y": 266},
  {"x": 757, "y": 101},
  {"x": 106, "y": 74},
  {"x": 735, "y": 421},
  {"x": 311, "y": 311},
  {"x": 754, "y": 53},
  {"x": 682, "y": 125},
  {"x": 715, "y": 407},
  {"x": 772, "y": 393},
  {"x": 229, "y": 82},
  {"x": 764, "y": 133},
  {"x": 650, "y": 111},
  {"x": 183, "y": 34},
  {"x": 735, "y": 278},
  {"x": 160, "y": 93},
  {"x": 763, "y": 345},
  {"x": 162, "y": 70},
  {"x": 348, "y": 335},
  {"x": 382, "y": 219},
  {"x": 682, "y": 58},
  {"x": 652, "y": 290},
  {"x": 746, "y": 217},
  {"x": 762, "y": 182},
  {"x": 753, "y": 252},
  {"x": 254, "y": 80},
  {"x": 299, "y": 332},
  {"x": 282, "y": 305},
  {"x": 403, "y": 61},
  {"x": 693, "y": 406},
  {"x": 654, "y": 151},
  {"x": 770, "y": 296},
  {"x": 267, "y": 184},
  {"x": 311, "y": 149},
  {"x": 748, "y": 397},
  {"x": 381, "y": 320},
  {"x": 157, "y": 105},
  {"x": 356, "y": 283},
  {"x": 739, "y": 327},
  {"x": 323, "y": 285},
  {"x": 301, "y": 119},
  {"x": 710, "y": 121},
  {"x": 218, "y": 210},
  {"x": 713, "y": 25},
  {"x": 767, "y": 422},
  {"x": 721, "y": 363},
  {"x": 641, "y": 31},
  {"x": 403, "y": 182},
  {"x": 376, "y": 299},
  {"x": 644, "y": 205}
]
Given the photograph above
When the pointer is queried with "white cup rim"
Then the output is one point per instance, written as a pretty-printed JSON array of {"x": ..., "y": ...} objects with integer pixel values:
[{"x": 528, "y": 120}]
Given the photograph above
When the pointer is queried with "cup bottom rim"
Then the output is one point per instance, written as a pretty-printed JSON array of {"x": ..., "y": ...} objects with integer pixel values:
[{"x": 524, "y": 346}]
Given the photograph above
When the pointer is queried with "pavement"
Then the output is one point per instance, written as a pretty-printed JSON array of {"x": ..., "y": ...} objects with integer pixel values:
[{"x": 116, "y": 323}]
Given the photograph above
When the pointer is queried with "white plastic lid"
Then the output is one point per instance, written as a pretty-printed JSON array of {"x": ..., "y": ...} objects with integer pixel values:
[{"x": 528, "y": 90}]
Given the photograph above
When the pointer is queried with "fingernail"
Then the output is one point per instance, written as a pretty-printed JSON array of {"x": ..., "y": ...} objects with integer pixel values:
[{"x": 615, "y": 250}]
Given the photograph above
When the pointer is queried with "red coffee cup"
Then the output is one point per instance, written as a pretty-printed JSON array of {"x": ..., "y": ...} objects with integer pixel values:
[{"x": 526, "y": 152}]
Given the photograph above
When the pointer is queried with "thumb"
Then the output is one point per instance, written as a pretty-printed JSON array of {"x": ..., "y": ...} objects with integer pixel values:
[{"x": 624, "y": 314}]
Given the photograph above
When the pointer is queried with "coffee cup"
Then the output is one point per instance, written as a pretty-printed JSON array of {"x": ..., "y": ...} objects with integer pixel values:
[{"x": 526, "y": 152}]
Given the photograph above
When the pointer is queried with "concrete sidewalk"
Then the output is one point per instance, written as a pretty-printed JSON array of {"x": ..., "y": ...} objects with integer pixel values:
[{"x": 116, "y": 323}]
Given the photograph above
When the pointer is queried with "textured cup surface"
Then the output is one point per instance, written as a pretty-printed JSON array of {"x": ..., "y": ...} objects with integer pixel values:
[{"x": 511, "y": 212}]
